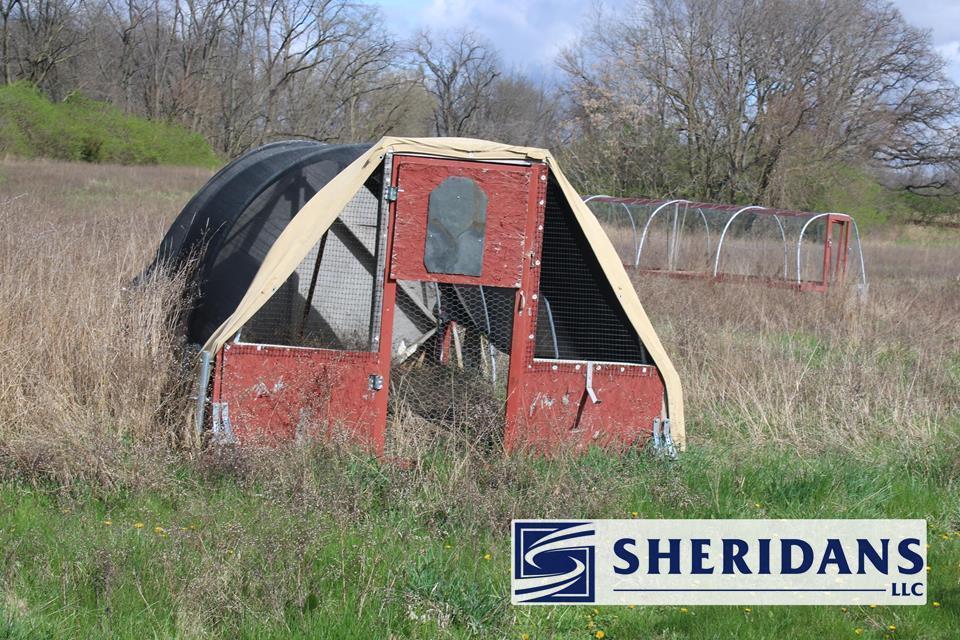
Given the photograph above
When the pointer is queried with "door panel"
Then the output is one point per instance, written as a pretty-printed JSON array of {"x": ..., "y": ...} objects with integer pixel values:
[
  {"x": 316, "y": 360},
  {"x": 460, "y": 222},
  {"x": 277, "y": 394},
  {"x": 556, "y": 409}
]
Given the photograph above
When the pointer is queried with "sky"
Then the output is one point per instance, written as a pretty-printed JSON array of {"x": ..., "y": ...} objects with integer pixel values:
[{"x": 530, "y": 33}]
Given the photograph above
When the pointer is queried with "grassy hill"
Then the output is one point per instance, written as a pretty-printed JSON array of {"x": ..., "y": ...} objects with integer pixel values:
[{"x": 83, "y": 129}]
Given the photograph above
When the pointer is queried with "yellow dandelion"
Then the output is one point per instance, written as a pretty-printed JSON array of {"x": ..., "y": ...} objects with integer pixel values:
[
  {"x": 858, "y": 631},
  {"x": 635, "y": 514},
  {"x": 596, "y": 612},
  {"x": 487, "y": 556},
  {"x": 757, "y": 505},
  {"x": 945, "y": 537},
  {"x": 159, "y": 531},
  {"x": 108, "y": 522},
  {"x": 138, "y": 525},
  {"x": 631, "y": 606},
  {"x": 928, "y": 567},
  {"x": 747, "y": 609},
  {"x": 524, "y": 636},
  {"x": 599, "y": 634},
  {"x": 936, "y": 604},
  {"x": 873, "y": 606},
  {"x": 448, "y": 546},
  {"x": 843, "y": 609},
  {"x": 683, "y": 609},
  {"x": 892, "y": 627},
  {"x": 229, "y": 552}
]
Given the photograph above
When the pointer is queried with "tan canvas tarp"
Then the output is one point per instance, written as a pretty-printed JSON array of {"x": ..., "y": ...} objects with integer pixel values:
[{"x": 307, "y": 227}]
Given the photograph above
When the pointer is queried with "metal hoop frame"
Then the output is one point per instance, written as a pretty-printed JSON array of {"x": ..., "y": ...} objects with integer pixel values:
[{"x": 639, "y": 244}]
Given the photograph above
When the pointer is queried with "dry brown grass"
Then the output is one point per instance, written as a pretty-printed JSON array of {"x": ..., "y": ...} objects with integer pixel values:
[
  {"x": 91, "y": 386},
  {"x": 87, "y": 364},
  {"x": 812, "y": 371}
]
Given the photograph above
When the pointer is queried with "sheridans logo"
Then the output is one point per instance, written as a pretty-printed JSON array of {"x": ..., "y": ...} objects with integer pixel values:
[
  {"x": 672, "y": 562},
  {"x": 553, "y": 562}
]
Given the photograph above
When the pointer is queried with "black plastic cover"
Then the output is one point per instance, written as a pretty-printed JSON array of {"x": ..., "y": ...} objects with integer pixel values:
[{"x": 231, "y": 223}]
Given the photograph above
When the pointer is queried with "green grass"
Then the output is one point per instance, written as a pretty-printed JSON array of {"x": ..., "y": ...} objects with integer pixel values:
[
  {"x": 354, "y": 549},
  {"x": 83, "y": 129}
]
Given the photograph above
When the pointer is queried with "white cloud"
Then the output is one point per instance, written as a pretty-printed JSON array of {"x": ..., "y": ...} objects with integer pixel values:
[{"x": 530, "y": 33}]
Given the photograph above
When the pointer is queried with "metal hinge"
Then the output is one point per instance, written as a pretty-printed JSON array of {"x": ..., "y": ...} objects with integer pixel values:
[
  {"x": 222, "y": 429},
  {"x": 392, "y": 193},
  {"x": 663, "y": 440}
]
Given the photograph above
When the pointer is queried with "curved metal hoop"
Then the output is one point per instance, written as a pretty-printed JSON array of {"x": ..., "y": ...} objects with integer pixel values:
[
  {"x": 646, "y": 227},
  {"x": 856, "y": 231},
  {"x": 706, "y": 227},
  {"x": 803, "y": 230},
  {"x": 723, "y": 234},
  {"x": 633, "y": 224},
  {"x": 863, "y": 268},
  {"x": 783, "y": 236}
]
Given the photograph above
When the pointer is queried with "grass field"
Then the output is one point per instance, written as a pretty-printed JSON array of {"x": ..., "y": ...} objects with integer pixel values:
[{"x": 801, "y": 406}]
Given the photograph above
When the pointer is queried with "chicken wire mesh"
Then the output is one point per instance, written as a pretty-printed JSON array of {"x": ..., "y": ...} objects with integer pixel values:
[
  {"x": 698, "y": 238},
  {"x": 578, "y": 316},
  {"x": 450, "y": 373},
  {"x": 328, "y": 301}
]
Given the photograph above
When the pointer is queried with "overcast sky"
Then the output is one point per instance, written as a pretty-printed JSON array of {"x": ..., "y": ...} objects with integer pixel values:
[{"x": 529, "y": 33}]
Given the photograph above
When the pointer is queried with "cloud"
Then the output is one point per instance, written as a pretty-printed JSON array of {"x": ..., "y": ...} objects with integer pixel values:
[{"x": 528, "y": 33}]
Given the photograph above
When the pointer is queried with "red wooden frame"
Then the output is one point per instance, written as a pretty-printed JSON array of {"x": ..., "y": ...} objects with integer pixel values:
[
  {"x": 417, "y": 177},
  {"x": 269, "y": 394}
]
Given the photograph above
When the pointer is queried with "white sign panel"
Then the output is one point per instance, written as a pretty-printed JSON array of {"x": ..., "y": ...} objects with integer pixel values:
[{"x": 672, "y": 562}]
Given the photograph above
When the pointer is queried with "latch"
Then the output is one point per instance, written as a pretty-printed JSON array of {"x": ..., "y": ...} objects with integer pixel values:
[
  {"x": 376, "y": 382},
  {"x": 392, "y": 193},
  {"x": 590, "y": 391}
]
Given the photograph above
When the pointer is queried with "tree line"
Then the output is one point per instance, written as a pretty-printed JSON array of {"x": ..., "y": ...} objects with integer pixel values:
[{"x": 727, "y": 100}]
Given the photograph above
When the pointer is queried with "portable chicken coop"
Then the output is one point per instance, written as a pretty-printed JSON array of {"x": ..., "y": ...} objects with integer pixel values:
[
  {"x": 340, "y": 289},
  {"x": 778, "y": 247}
]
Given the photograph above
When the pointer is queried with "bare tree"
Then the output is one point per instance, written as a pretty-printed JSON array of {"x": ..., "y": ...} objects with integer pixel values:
[
  {"x": 6, "y": 11},
  {"x": 520, "y": 111},
  {"x": 43, "y": 36},
  {"x": 459, "y": 69},
  {"x": 746, "y": 85}
]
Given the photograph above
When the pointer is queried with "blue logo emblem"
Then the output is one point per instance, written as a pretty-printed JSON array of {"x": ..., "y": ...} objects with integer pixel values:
[{"x": 553, "y": 562}]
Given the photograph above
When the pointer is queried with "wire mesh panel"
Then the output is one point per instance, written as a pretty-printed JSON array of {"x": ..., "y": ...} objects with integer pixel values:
[
  {"x": 328, "y": 301},
  {"x": 578, "y": 315},
  {"x": 452, "y": 373},
  {"x": 685, "y": 238}
]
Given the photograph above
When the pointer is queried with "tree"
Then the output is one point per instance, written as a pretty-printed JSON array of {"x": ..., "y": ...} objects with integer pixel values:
[
  {"x": 739, "y": 88},
  {"x": 458, "y": 69}
]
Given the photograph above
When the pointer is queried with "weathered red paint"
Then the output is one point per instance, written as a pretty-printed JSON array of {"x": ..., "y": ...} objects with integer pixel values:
[
  {"x": 555, "y": 410},
  {"x": 279, "y": 394},
  {"x": 548, "y": 407},
  {"x": 506, "y": 187}
]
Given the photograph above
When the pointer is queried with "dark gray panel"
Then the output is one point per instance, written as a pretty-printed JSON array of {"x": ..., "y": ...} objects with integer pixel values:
[{"x": 456, "y": 227}]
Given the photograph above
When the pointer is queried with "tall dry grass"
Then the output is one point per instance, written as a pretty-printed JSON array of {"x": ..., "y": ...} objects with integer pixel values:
[
  {"x": 813, "y": 371},
  {"x": 91, "y": 384},
  {"x": 89, "y": 375}
]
